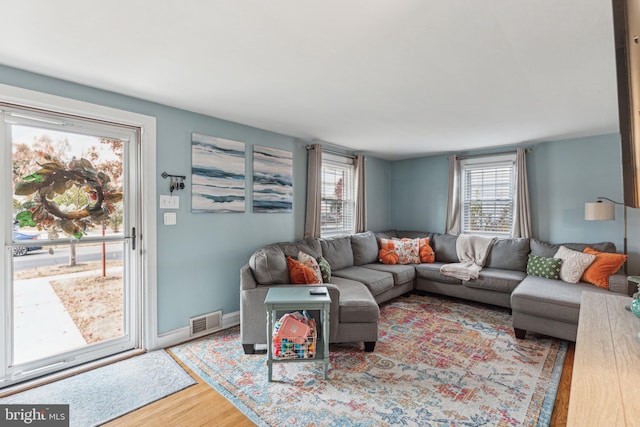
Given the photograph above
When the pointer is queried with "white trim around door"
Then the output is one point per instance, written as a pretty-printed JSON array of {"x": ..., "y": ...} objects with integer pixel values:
[{"x": 148, "y": 203}]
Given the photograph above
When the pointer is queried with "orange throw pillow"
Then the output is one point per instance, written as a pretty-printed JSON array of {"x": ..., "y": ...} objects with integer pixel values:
[
  {"x": 388, "y": 256},
  {"x": 602, "y": 267},
  {"x": 300, "y": 274},
  {"x": 427, "y": 255},
  {"x": 387, "y": 253}
]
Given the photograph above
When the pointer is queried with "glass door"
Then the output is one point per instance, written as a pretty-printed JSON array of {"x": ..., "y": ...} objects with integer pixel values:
[{"x": 72, "y": 293}]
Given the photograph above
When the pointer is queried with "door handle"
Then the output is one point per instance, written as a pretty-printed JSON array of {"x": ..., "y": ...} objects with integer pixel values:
[{"x": 133, "y": 238}]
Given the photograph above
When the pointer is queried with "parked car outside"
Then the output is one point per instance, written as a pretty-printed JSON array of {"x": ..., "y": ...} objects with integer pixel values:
[{"x": 22, "y": 250}]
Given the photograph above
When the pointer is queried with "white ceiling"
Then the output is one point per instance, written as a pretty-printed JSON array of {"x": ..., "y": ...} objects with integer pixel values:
[{"x": 391, "y": 78}]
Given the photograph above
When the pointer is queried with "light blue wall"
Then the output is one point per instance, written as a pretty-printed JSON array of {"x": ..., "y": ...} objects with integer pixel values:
[
  {"x": 419, "y": 193},
  {"x": 378, "y": 193},
  {"x": 563, "y": 175},
  {"x": 199, "y": 259}
]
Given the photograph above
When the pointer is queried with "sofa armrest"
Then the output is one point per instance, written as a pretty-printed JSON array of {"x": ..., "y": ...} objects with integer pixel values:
[
  {"x": 334, "y": 311},
  {"x": 619, "y": 283},
  {"x": 247, "y": 281}
]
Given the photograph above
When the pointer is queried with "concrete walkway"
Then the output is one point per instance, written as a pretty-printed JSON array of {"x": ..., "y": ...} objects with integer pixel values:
[{"x": 42, "y": 324}]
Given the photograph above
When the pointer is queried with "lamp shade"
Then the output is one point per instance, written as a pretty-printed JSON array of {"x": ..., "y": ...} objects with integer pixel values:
[{"x": 599, "y": 211}]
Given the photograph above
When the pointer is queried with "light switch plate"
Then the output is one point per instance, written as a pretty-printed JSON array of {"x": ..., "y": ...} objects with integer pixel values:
[
  {"x": 169, "y": 202},
  {"x": 170, "y": 218}
]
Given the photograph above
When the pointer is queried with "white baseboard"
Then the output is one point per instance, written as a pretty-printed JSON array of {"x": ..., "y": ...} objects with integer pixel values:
[{"x": 180, "y": 335}]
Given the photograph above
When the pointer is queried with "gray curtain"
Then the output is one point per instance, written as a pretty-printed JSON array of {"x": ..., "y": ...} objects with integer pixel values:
[
  {"x": 452, "y": 225},
  {"x": 522, "y": 209},
  {"x": 314, "y": 170},
  {"x": 361, "y": 194}
]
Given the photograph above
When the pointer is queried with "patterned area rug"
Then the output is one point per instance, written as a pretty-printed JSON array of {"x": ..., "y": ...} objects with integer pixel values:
[{"x": 438, "y": 362}]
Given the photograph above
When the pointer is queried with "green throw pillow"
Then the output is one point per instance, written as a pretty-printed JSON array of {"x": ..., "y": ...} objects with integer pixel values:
[
  {"x": 325, "y": 269},
  {"x": 544, "y": 267}
]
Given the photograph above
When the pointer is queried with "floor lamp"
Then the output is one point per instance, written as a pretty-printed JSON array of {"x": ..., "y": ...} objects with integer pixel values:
[{"x": 605, "y": 211}]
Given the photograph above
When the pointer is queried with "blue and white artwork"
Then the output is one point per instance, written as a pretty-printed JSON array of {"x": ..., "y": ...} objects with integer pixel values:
[
  {"x": 272, "y": 180},
  {"x": 217, "y": 174}
]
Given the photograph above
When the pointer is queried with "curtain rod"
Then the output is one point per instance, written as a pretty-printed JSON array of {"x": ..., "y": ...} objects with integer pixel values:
[
  {"x": 337, "y": 153},
  {"x": 500, "y": 153}
]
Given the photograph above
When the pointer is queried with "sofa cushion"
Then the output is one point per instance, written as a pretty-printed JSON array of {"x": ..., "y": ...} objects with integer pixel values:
[
  {"x": 300, "y": 274},
  {"x": 309, "y": 246},
  {"x": 574, "y": 263},
  {"x": 269, "y": 265},
  {"x": 605, "y": 265},
  {"x": 325, "y": 269},
  {"x": 388, "y": 256},
  {"x": 609, "y": 247},
  {"x": 445, "y": 247},
  {"x": 365, "y": 248},
  {"x": 413, "y": 234},
  {"x": 509, "y": 254},
  {"x": 357, "y": 305},
  {"x": 618, "y": 283},
  {"x": 310, "y": 262},
  {"x": 401, "y": 273},
  {"x": 427, "y": 253},
  {"x": 376, "y": 281},
  {"x": 548, "y": 250},
  {"x": 549, "y": 268},
  {"x": 550, "y": 299},
  {"x": 408, "y": 250},
  {"x": 432, "y": 272},
  {"x": 337, "y": 250},
  {"x": 495, "y": 279},
  {"x": 387, "y": 234}
]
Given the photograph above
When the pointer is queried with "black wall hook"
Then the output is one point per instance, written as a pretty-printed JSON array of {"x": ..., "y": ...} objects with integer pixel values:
[{"x": 176, "y": 182}]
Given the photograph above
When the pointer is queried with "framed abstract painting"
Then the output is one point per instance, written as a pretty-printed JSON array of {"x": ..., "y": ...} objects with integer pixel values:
[
  {"x": 217, "y": 174},
  {"x": 272, "y": 180}
]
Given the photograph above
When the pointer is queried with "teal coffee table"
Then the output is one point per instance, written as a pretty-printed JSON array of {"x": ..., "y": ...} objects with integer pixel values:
[{"x": 298, "y": 298}]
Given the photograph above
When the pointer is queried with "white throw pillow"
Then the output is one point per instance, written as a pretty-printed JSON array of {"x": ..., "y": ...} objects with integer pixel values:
[
  {"x": 408, "y": 250},
  {"x": 574, "y": 263},
  {"x": 310, "y": 262}
]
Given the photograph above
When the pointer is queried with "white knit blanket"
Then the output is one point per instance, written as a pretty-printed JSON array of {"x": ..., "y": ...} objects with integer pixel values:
[{"x": 472, "y": 252}]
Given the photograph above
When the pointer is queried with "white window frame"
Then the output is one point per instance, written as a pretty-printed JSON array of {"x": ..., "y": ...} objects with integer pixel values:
[
  {"x": 486, "y": 163},
  {"x": 347, "y": 217}
]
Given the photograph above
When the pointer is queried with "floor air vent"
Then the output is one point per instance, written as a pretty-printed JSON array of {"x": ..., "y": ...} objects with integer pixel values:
[{"x": 206, "y": 323}]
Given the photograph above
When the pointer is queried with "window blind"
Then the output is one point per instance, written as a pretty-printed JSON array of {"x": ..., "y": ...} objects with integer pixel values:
[
  {"x": 487, "y": 197},
  {"x": 337, "y": 212}
]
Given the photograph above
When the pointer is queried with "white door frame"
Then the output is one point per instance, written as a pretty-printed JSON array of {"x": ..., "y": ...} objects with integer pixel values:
[{"x": 148, "y": 232}]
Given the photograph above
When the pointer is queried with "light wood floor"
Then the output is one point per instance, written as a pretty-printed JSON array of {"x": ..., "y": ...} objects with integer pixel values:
[
  {"x": 201, "y": 405},
  {"x": 198, "y": 405}
]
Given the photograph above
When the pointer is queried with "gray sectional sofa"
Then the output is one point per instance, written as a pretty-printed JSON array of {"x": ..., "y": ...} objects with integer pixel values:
[{"x": 360, "y": 282}]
